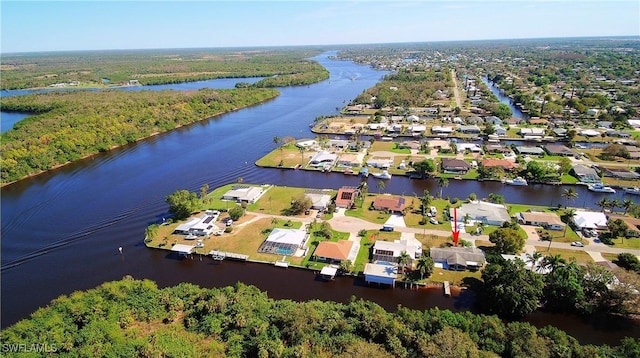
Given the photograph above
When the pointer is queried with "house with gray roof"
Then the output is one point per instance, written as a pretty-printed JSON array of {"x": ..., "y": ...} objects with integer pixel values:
[
  {"x": 458, "y": 258},
  {"x": 530, "y": 151},
  {"x": 558, "y": 149},
  {"x": 488, "y": 213},
  {"x": 585, "y": 174}
]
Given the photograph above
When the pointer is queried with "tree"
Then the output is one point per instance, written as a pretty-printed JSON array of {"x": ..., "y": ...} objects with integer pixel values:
[
  {"x": 489, "y": 129},
  {"x": 496, "y": 198},
  {"x": 617, "y": 228},
  {"x": 204, "y": 190},
  {"x": 346, "y": 266},
  {"x": 425, "y": 201},
  {"x": 628, "y": 261},
  {"x": 568, "y": 216},
  {"x": 604, "y": 204},
  {"x": 151, "y": 232},
  {"x": 553, "y": 262},
  {"x": 404, "y": 260},
  {"x": 507, "y": 240},
  {"x": 569, "y": 195},
  {"x": 325, "y": 230},
  {"x": 182, "y": 203},
  {"x": 509, "y": 289},
  {"x": 626, "y": 205},
  {"x": 236, "y": 212},
  {"x": 277, "y": 140},
  {"x": 299, "y": 204},
  {"x": 443, "y": 182},
  {"x": 424, "y": 167},
  {"x": 565, "y": 165},
  {"x": 381, "y": 186},
  {"x": 563, "y": 289},
  {"x": 502, "y": 111},
  {"x": 425, "y": 266},
  {"x": 614, "y": 150},
  {"x": 532, "y": 259}
]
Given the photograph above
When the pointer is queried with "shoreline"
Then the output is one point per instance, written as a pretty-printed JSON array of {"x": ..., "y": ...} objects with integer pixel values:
[{"x": 134, "y": 142}]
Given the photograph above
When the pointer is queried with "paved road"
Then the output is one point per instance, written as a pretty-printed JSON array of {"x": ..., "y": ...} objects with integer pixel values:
[{"x": 456, "y": 92}]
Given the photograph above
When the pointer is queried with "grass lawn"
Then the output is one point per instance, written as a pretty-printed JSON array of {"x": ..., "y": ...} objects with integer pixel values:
[
  {"x": 276, "y": 200},
  {"x": 429, "y": 241},
  {"x": 520, "y": 208},
  {"x": 454, "y": 277},
  {"x": 568, "y": 179},
  {"x": 626, "y": 243},
  {"x": 609, "y": 256},
  {"x": 289, "y": 154},
  {"x": 580, "y": 256},
  {"x": 379, "y": 146},
  {"x": 363, "y": 212},
  {"x": 471, "y": 174}
]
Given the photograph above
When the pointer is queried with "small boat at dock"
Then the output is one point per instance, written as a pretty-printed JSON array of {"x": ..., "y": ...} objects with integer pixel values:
[
  {"x": 517, "y": 181},
  {"x": 633, "y": 191},
  {"x": 599, "y": 188},
  {"x": 384, "y": 175}
]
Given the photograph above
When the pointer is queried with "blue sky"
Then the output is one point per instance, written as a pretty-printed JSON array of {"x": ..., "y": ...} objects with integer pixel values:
[{"x": 91, "y": 25}]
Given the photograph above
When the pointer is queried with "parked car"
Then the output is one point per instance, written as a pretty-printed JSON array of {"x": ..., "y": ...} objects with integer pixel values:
[
  {"x": 434, "y": 221},
  {"x": 433, "y": 210},
  {"x": 577, "y": 244},
  {"x": 387, "y": 228}
]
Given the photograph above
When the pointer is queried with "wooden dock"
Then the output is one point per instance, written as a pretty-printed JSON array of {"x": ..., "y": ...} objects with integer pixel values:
[
  {"x": 447, "y": 288},
  {"x": 221, "y": 255}
]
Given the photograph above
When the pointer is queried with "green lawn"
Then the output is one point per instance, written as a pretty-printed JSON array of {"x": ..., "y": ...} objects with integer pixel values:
[
  {"x": 276, "y": 200},
  {"x": 363, "y": 212},
  {"x": 626, "y": 243},
  {"x": 288, "y": 154},
  {"x": 456, "y": 278},
  {"x": 580, "y": 256},
  {"x": 568, "y": 179}
]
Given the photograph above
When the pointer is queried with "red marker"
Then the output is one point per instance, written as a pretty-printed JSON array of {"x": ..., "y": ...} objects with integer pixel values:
[{"x": 456, "y": 233}]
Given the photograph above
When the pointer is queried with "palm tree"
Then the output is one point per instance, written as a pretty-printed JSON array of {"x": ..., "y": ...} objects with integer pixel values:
[
  {"x": 381, "y": 186},
  {"x": 442, "y": 183},
  {"x": 553, "y": 262},
  {"x": 626, "y": 205},
  {"x": 151, "y": 232},
  {"x": 569, "y": 195},
  {"x": 615, "y": 203},
  {"x": 425, "y": 265},
  {"x": 404, "y": 260},
  {"x": 277, "y": 140},
  {"x": 425, "y": 200},
  {"x": 569, "y": 214},
  {"x": 533, "y": 259},
  {"x": 604, "y": 204}
]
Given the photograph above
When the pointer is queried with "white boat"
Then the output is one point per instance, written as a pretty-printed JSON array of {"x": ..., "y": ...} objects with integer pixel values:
[
  {"x": 384, "y": 175},
  {"x": 635, "y": 191},
  {"x": 517, "y": 181},
  {"x": 599, "y": 188}
]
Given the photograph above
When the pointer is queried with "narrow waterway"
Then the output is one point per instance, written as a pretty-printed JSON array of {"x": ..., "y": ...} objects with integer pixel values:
[
  {"x": 517, "y": 113},
  {"x": 61, "y": 230}
]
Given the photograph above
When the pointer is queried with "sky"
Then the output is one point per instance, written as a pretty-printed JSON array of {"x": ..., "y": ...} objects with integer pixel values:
[{"x": 30, "y": 26}]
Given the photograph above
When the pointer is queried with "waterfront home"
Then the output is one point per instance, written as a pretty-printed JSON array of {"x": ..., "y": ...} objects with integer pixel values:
[
  {"x": 589, "y": 133},
  {"x": 633, "y": 224},
  {"x": 532, "y": 132},
  {"x": 306, "y": 143},
  {"x": 439, "y": 144},
  {"x": 377, "y": 126},
  {"x": 530, "y": 151},
  {"x": 346, "y": 197},
  {"x": 634, "y": 152},
  {"x": 538, "y": 121},
  {"x": 319, "y": 199},
  {"x": 243, "y": 194},
  {"x": 391, "y": 204},
  {"x": 384, "y": 273},
  {"x": 493, "y": 120},
  {"x": 537, "y": 266},
  {"x": 203, "y": 225},
  {"x": 497, "y": 148},
  {"x": 585, "y": 174},
  {"x": 440, "y": 130},
  {"x": 558, "y": 149},
  {"x": 549, "y": 221},
  {"x": 619, "y": 173},
  {"x": 350, "y": 160},
  {"x": 455, "y": 166},
  {"x": 560, "y": 132},
  {"x": 388, "y": 251},
  {"x": 413, "y": 118},
  {"x": 417, "y": 129},
  {"x": 471, "y": 129},
  {"x": 323, "y": 158},
  {"x": 380, "y": 163},
  {"x": 336, "y": 252},
  {"x": 500, "y": 131},
  {"x": 289, "y": 242},
  {"x": 482, "y": 211},
  {"x": 458, "y": 258},
  {"x": 340, "y": 144},
  {"x": 589, "y": 220},
  {"x": 498, "y": 163},
  {"x": 413, "y": 144},
  {"x": 471, "y": 147}
]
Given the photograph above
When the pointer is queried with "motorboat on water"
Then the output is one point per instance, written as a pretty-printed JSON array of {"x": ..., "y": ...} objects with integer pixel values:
[
  {"x": 599, "y": 188},
  {"x": 384, "y": 175},
  {"x": 517, "y": 181},
  {"x": 634, "y": 191}
]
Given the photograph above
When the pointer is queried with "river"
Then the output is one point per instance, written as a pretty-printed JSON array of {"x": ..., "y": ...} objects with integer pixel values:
[
  {"x": 517, "y": 113},
  {"x": 61, "y": 230}
]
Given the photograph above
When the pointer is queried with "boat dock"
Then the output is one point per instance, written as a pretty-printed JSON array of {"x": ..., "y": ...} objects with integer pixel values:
[
  {"x": 447, "y": 288},
  {"x": 221, "y": 255}
]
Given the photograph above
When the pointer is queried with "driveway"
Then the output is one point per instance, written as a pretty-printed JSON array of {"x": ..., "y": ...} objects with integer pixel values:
[
  {"x": 532, "y": 234},
  {"x": 396, "y": 221}
]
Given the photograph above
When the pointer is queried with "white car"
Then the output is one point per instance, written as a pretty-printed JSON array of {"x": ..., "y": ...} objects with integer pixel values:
[
  {"x": 577, "y": 244},
  {"x": 434, "y": 221},
  {"x": 433, "y": 210}
]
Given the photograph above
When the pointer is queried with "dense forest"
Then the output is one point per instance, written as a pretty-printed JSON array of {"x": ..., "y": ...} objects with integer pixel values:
[
  {"x": 105, "y": 68},
  {"x": 72, "y": 125},
  {"x": 136, "y": 318}
]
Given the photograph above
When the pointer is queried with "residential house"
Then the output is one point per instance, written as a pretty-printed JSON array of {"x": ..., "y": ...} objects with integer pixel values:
[
  {"x": 392, "y": 204},
  {"x": 585, "y": 174},
  {"x": 336, "y": 252},
  {"x": 323, "y": 158},
  {"x": 471, "y": 129},
  {"x": 417, "y": 129},
  {"x": 498, "y": 163},
  {"x": 530, "y": 151},
  {"x": 482, "y": 211},
  {"x": 493, "y": 120},
  {"x": 458, "y": 258},
  {"x": 319, "y": 199},
  {"x": 340, "y": 144},
  {"x": 203, "y": 225},
  {"x": 306, "y": 143},
  {"x": 559, "y": 149},
  {"x": 497, "y": 148},
  {"x": 441, "y": 130},
  {"x": 387, "y": 251},
  {"x": 472, "y": 147},
  {"x": 381, "y": 273},
  {"x": 284, "y": 242},
  {"x": 500, "y": 130},
  {"x": 538, "y": 121},
  {"x": 380, "y": 163},
  {"x": 589, "y": 220},
  {"x": 349, "y": 160},
  {"x": 455, "y": 166},
  {"x": 346, "y": 197},
  {"x": 589, "y": 133},
  {"x": 439, "y": 144},
  {"x": 547, "y": 220},
  {"x": 560, "y": 132},
  {"x": 532, "y": 132},
  {"x": 619, "y": 173},
  {"x": 243, "y": 193}
]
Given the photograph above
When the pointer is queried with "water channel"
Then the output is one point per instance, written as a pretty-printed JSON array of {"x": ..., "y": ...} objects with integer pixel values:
[{"x": 61, "y": 230}]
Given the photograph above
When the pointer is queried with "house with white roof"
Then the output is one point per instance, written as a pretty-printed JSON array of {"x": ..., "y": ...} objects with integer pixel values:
[
  {"x": 488, "y": 213},
  {"x": 323, "y": 158},
  {"x": 244, "y": 193},
  {"x": 472, "y": 147},
  {"x": 285, "y": 242},
  {"x": 458, "y": 258},
  {"x": 441, "y": 130},
  {"x": 390, "y": 251},
  {"x": 532, "y": 132},
  {"x": 384, "y": 273},
  {"x": 319, "y": 200},
  {"x": 589, "y": 220}
]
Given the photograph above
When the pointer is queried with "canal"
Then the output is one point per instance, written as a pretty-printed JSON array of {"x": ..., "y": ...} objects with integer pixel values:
[{"x": 61, "y": 230}]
